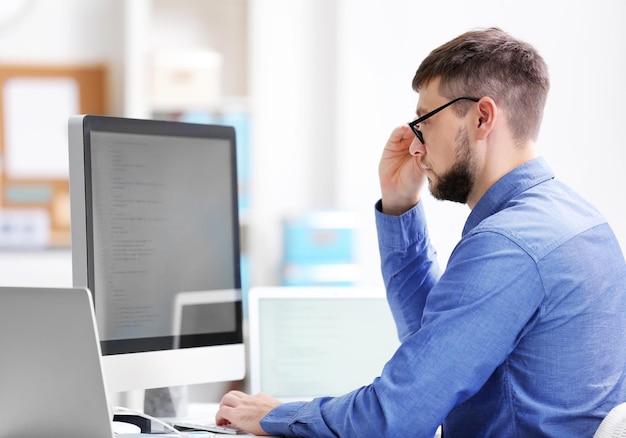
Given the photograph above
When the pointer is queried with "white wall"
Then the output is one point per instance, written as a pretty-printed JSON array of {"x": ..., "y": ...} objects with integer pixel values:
[
  {"x": 61, "y": 31},
  {"x": 293, "y": 86}
]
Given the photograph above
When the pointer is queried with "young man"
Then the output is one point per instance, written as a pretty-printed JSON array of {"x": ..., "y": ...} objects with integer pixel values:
[{"x": 524, "y": 333}]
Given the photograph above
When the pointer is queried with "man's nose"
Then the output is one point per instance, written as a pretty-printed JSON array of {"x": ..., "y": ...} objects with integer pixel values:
[{"x": 417, "y": 148}]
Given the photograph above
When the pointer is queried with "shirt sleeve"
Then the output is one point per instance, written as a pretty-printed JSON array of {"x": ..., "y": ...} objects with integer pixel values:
[
  {"x": 469, "y": 321},
  {"x": 409, "y": 265}
]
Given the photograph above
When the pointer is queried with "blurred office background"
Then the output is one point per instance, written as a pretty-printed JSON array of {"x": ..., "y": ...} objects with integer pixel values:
[{"x": 313, "y": 88}]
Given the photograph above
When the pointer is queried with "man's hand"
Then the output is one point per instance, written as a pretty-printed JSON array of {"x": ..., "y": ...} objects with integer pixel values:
[
  {"x": 400, "y": 173},
  {"x": 245, "y": 411}
]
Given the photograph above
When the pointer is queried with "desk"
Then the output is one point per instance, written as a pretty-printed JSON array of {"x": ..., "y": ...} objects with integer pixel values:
[
  {"x": 185, "y": 435},
  {"x": 196, "y": 411},
  {"x": 207, "y": 410}
]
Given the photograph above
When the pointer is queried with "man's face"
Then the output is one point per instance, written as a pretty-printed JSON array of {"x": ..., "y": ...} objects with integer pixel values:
[{"x": 446, "y": 155}]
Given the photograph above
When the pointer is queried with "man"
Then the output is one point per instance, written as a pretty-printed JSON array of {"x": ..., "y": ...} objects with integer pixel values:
[{"x": 524, "y": 334}]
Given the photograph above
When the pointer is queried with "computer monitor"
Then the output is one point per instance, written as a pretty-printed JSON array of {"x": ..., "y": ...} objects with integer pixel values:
[{"x": 155, "y": 237}]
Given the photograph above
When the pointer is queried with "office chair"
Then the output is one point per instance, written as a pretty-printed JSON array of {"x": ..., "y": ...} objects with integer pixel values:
[{"x": 614, "y": 424}]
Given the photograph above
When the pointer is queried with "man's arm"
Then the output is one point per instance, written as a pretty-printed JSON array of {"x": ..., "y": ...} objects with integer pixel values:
[{"x": 409, "y": 265}]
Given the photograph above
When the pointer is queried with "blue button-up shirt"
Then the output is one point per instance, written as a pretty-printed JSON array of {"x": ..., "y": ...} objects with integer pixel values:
[{"x": 523, "y": 335}]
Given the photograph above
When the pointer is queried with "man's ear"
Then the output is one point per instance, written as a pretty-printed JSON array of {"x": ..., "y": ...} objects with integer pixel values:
[{"x": 487, "y": 114}]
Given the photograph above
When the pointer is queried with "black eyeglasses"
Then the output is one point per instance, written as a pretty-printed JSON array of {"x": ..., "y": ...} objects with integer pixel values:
[{"x": 414, "y": 123}]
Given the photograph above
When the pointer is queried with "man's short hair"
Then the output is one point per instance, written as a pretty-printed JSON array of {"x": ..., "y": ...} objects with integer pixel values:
[{"x": 491, "y": 63}]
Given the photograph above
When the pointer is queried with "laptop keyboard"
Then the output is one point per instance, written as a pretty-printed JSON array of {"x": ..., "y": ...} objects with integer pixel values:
[{"x": 206, "y": 425}]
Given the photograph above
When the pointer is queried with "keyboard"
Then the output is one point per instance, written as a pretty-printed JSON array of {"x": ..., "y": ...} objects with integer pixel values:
[{"x": 205, "y": 426}]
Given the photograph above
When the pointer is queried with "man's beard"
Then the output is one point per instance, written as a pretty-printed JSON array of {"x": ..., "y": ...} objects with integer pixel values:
[{"x": 457, "y": 183}]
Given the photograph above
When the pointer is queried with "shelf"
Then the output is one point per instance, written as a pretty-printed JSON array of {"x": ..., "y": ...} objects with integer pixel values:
[{"x": 199, "y": 47}]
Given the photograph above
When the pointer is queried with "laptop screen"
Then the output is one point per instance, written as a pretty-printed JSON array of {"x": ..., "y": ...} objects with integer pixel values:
[{"x": 307, "y": 342}]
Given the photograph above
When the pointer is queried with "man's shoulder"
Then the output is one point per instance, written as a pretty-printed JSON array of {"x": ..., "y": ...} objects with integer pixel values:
[{"x": 542, "y": 218}]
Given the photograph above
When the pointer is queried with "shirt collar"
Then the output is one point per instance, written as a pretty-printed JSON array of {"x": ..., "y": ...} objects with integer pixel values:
[{"x": 518, "y": 180}]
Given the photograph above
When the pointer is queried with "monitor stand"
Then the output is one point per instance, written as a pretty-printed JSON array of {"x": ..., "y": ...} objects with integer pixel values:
[{"x": 168, "y": 402}]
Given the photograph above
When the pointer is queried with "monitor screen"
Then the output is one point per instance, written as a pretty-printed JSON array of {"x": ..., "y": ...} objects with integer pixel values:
[
  {"x": 314, "y": 341},
  {"x": 155, "y": 237}
]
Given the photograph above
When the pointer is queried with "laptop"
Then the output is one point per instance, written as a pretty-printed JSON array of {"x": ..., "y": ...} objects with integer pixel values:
[
  {"x": 51, "y": 381},
  {"x": 307, "y": 342}
]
